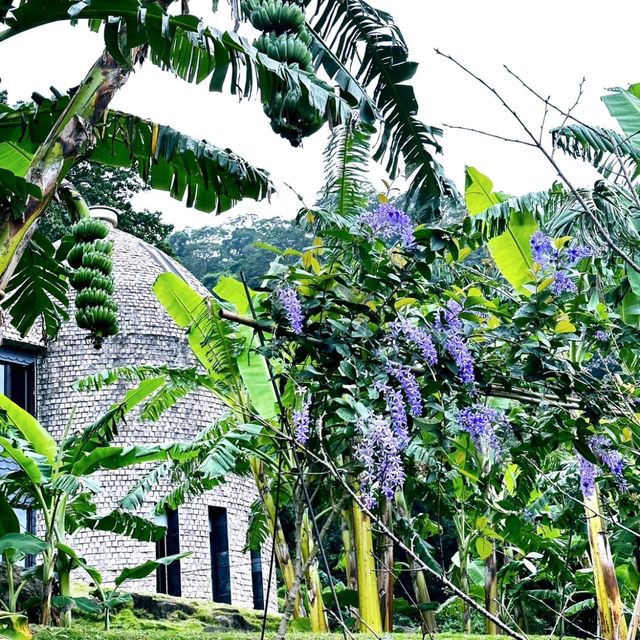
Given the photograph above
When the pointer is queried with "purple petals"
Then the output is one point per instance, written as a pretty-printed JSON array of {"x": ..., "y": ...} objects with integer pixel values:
[
  {"x": 388, "y": 222},
  {"x": 416, "y": 337},
  {"x": 409, "y": 385},
  {"x": 588, "y": 472},
  {"x": 379, "y": 452},
  {"x": 481, "y": 423},
  {"x": 302, "y": 422},
  {"x": 288, "y": 298},
  {"x": 557, "y": 262}
]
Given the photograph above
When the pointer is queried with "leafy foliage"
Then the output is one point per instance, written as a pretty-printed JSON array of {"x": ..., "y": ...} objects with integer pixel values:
[
  {"x": 368, "y": 43},
  {"x": 245, "y": 245}
]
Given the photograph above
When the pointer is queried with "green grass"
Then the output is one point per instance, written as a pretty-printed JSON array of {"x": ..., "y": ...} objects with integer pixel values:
[
  {"x": 203, "y": 624},
  {"x": 91, "y": 633}
]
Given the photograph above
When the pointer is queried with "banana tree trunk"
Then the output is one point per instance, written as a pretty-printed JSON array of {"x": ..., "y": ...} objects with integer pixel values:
[
  {"x": 610, "y": 613},
  {"x": 317, "y": 614},
  {"x": 464, "y": 585},
  {"x": 350, "y": 566},
  {"x": 491, "y": 590},
  {"x": 369, "y": 607},
  {"x": 283, "y": 555},
  {"x": 67, "y": 141},
  {"x": 418, "y": 579},
  {"x": 385, "y": 572},
  {"x": 635, "y": 619},
  {"x": 48, "y": 564}
]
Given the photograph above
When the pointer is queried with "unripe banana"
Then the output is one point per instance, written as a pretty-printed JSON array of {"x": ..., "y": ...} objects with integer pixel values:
[{"x": 91, "y": 260}]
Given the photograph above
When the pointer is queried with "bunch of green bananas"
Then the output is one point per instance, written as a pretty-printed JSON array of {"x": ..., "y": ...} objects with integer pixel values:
[
  {"x": 90, "y": 259},
  {"x": 285, "y": 39}
]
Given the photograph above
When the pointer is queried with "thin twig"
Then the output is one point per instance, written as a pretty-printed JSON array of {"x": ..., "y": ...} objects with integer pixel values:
[
  {"x": 576, "y": 194},
  {"x": 489, "y": 135}
]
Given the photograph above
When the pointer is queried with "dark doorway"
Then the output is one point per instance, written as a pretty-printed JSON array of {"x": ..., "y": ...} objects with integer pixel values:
[
  {"x": 219, "y": 546},
  {"x": 168, "y": 578},
  {"x": 256, "y": 580}
]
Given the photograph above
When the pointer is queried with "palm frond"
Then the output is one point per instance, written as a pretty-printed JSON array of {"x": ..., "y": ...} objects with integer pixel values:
[
  {"x": 127, "y": 524},
  {"x": 178, "y": 383},
  {"x": 605, "y": 149},
  {"x": 258, "y": 530},
  {"x": 610, "y": 204},
  {"x": 212, "y": 179},
  {"x": 371, "y": 49},
  {"x": 224, "y": 454},
  {"x": 38, "y": 288},
  {"x": 346, "y": 167},
  {"x": 495, "y": 220},
  {"x": 183, "y": 45}
]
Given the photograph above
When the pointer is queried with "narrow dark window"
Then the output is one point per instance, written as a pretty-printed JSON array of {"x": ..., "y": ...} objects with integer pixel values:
[
  {"x": 17, "y": 379},
  {"x": 168, "y": 578},
  {"x": 219, "y": 545},
  {"x": 256, "y": 580}
]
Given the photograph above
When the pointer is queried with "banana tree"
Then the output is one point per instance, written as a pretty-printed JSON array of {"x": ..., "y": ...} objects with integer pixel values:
[
  {"x": 39, "y": 143},
  {"x": 235, "y": 374},
  {"x": 57, "y": 481}
]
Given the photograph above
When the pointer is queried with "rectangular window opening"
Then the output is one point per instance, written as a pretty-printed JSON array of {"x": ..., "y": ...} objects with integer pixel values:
[
  {"x": 219, "y": 547},
  {"x": 168, "y": 579},
  {"x": 256, "y": 580}
]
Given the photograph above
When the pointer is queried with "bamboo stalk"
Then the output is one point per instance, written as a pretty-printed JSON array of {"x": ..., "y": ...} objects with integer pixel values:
[
  {"x": 418, "y": 579},
  {"x": 385, "y": 573},
  {"x": 282, "y": 552},
  {"x": 635, "y": 619},
  {"x": 350, "y": 565},
  {"x": 491, "y": 590},
  {"x": 369, "y": 607},
  {"x": 317, "y": 614},
  {"x": 611, "y": 619}
]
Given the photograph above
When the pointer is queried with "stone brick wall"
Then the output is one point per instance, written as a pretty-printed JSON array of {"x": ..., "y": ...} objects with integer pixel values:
[{"x": 147, "y": 335}]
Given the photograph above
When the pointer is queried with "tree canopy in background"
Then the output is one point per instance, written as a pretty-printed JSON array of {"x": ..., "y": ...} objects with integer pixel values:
[
  {"x": 239, "y": 246},
  {"x": 111, "y": 187}
]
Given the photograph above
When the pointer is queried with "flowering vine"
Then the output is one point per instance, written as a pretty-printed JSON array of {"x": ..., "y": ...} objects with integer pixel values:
[
  {"x": 557, "y": 261},
  {"x": 387, "y": 222}
]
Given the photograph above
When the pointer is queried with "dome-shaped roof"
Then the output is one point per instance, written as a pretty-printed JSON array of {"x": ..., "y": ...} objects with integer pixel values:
[{"x": 147, "y": 335}]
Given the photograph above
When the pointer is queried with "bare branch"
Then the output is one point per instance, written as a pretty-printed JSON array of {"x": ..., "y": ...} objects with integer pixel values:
[
  {"x": 576, "y": 194},
  {"x": 489, "y": 135}
]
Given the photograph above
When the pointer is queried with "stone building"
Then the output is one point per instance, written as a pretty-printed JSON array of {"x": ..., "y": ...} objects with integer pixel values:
[{"x": 213, "y": 526}]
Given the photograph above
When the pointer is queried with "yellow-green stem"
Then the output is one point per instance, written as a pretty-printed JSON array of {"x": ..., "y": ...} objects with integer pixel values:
[
  {"x": 613, "y": 625},
  {"x": 317, "y": 614},
  {"x": 368, "y": 603},
  {"x": 491, "y": 590},
  {"x": 283, "y": 555}
]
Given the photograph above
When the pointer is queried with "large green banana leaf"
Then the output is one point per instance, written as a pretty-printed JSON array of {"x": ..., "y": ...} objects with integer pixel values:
[{"x": 511, "y": 250}]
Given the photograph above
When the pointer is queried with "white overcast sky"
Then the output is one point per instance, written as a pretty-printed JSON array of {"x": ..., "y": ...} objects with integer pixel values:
[{"x": 551, "y": 44}]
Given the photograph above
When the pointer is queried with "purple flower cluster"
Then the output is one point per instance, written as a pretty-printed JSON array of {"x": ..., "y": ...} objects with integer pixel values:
[
  {"x": 397, "y": 411},
  {"x": 481, "y": 423},
  {"x": 557, "y": 261},
  {"x": 602, "y": 335},
  {"x": 409, "y": 385},
  {"x": 288, "y": 298},
  {"x": 610, "y": 458},
  {"x": 379, "y": 453},
  {"x": 588, "y": 472},
  {"x": 417, "y": 337},
  {"x": 387, "y": 222},
  {"x": 542, "y": 249},
  {"x": 455, "y": 344},
  {"x": 302, "y": 422},
  {"x": 562, "y": 283}
]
